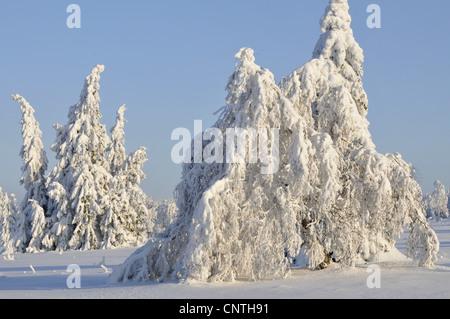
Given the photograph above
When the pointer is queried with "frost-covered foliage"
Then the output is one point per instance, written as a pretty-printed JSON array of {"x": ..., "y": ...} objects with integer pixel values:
[
  {"x": 230, "y": 221},
  {"x": 162, "y": 214},
  {"x": 82, "y": 171},
  {"x": 92, "y": 198},
  {"x": 8, "y": 217},
  {"x": 116, "y": 150},
  {"x": 33, "y": 175},
  {"x": 437, "y": 203},
  {"x": 448, "y": 205},
  {"x": 332, "y": 196},
  {"x": 377, "y": 193},
  {"x": 125, "y": 218},
  {"x": 38, "y": 223},
  {"x": 33, "y": 155}
]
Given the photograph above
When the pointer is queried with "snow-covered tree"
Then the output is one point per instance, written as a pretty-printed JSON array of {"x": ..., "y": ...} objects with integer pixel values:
[
  {"x": 8, "y": 215},
  {"x": 437, "y": 202},
  {"x": 80, "y": 182},
  {"x": 33, "y": 172},
  {"x": 115, "y": 219},
  {"x": 378, "y": 193},
  {"x": 125, "y": 220},
  {"x": 162, "y": 214},
  {"x": 138, "y": 200},
  {"x": 240, "y": 216},
  {"x": 448, "y": 205},
  {"x": 33, "y": 155},
  {"x": 333, "y": 197},
  {"x": 38, "y": 224},
  {"x": 116, "y": 151},
  {"x": 92, "y": 198}
]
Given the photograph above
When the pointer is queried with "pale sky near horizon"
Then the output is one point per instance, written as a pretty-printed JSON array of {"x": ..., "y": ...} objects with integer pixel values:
[{"x": 169, "y": 62}]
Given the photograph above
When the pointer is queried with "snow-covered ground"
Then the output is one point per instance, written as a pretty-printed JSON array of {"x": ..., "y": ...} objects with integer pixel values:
[{"x": 45, "y": 276}]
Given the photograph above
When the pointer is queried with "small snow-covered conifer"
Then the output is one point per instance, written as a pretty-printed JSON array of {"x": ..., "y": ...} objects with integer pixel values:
[
  {"x": 38, "y": 224},
  {"x": 33, "y": 155},
  {"x": 116, "y": 151},
  {"x": 8, "y": 216},
  {"x": 437, "y": 202},
  {"x": 127, "y": 215},
  {"x": 332, "y": 196}
]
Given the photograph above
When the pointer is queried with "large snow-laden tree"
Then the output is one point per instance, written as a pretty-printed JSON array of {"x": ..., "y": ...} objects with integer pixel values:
[
  {"x": 37, "y": 225},
  {"x": 33, "y": 174},
  {"x": 116, "y": 150},
  {"x": 448, "y": 205},
  {"x": 92, "y": 198},
  {"x": 243, "y": 215},
  {"x": 378, "y": 194},
  {"x": 80, "y": 182}
]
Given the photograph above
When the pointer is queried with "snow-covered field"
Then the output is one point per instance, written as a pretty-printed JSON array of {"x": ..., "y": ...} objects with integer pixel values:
[{"x": 45, "y": 276}]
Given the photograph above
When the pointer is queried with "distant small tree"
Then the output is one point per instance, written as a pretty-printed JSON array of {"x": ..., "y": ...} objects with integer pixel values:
[
  {"x": 437, "y": 202},
  {"x": 377, "y": 194},
  {"x": 83, "y": 173},
  {"x": 38, "y": 223},
  {"x": 8, "y": 215},
  {"x": 116, "y": 150}
]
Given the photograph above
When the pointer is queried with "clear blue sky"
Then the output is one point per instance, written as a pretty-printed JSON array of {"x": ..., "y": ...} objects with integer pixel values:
[{"x": 169, "y": 61}]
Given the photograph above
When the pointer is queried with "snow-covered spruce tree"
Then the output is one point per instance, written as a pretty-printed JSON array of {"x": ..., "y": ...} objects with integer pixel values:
[
  {"x": 116, "y": 150},
  {"x": 164, "y": 212},
  {"x": 138, "y": 200},
  {"x": 125, "y": 221},
  {"x": 33, "y": 154},
  {"x": 8, "y": 216},
  {"x": 333, "y": 194},
  {"x": 33, "y": 172},
  {"x": 79, "y": 184},
  {"x": 437, "y": 202},
  {"x": 38, "y": 223},
  {"x": 241, "y": 215},
  {"x": 127, "y": 216},
  {"x": 112, "y": 222},
  {"x": 448, "y": 205},
  {"x": 378, "y": 194}
]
